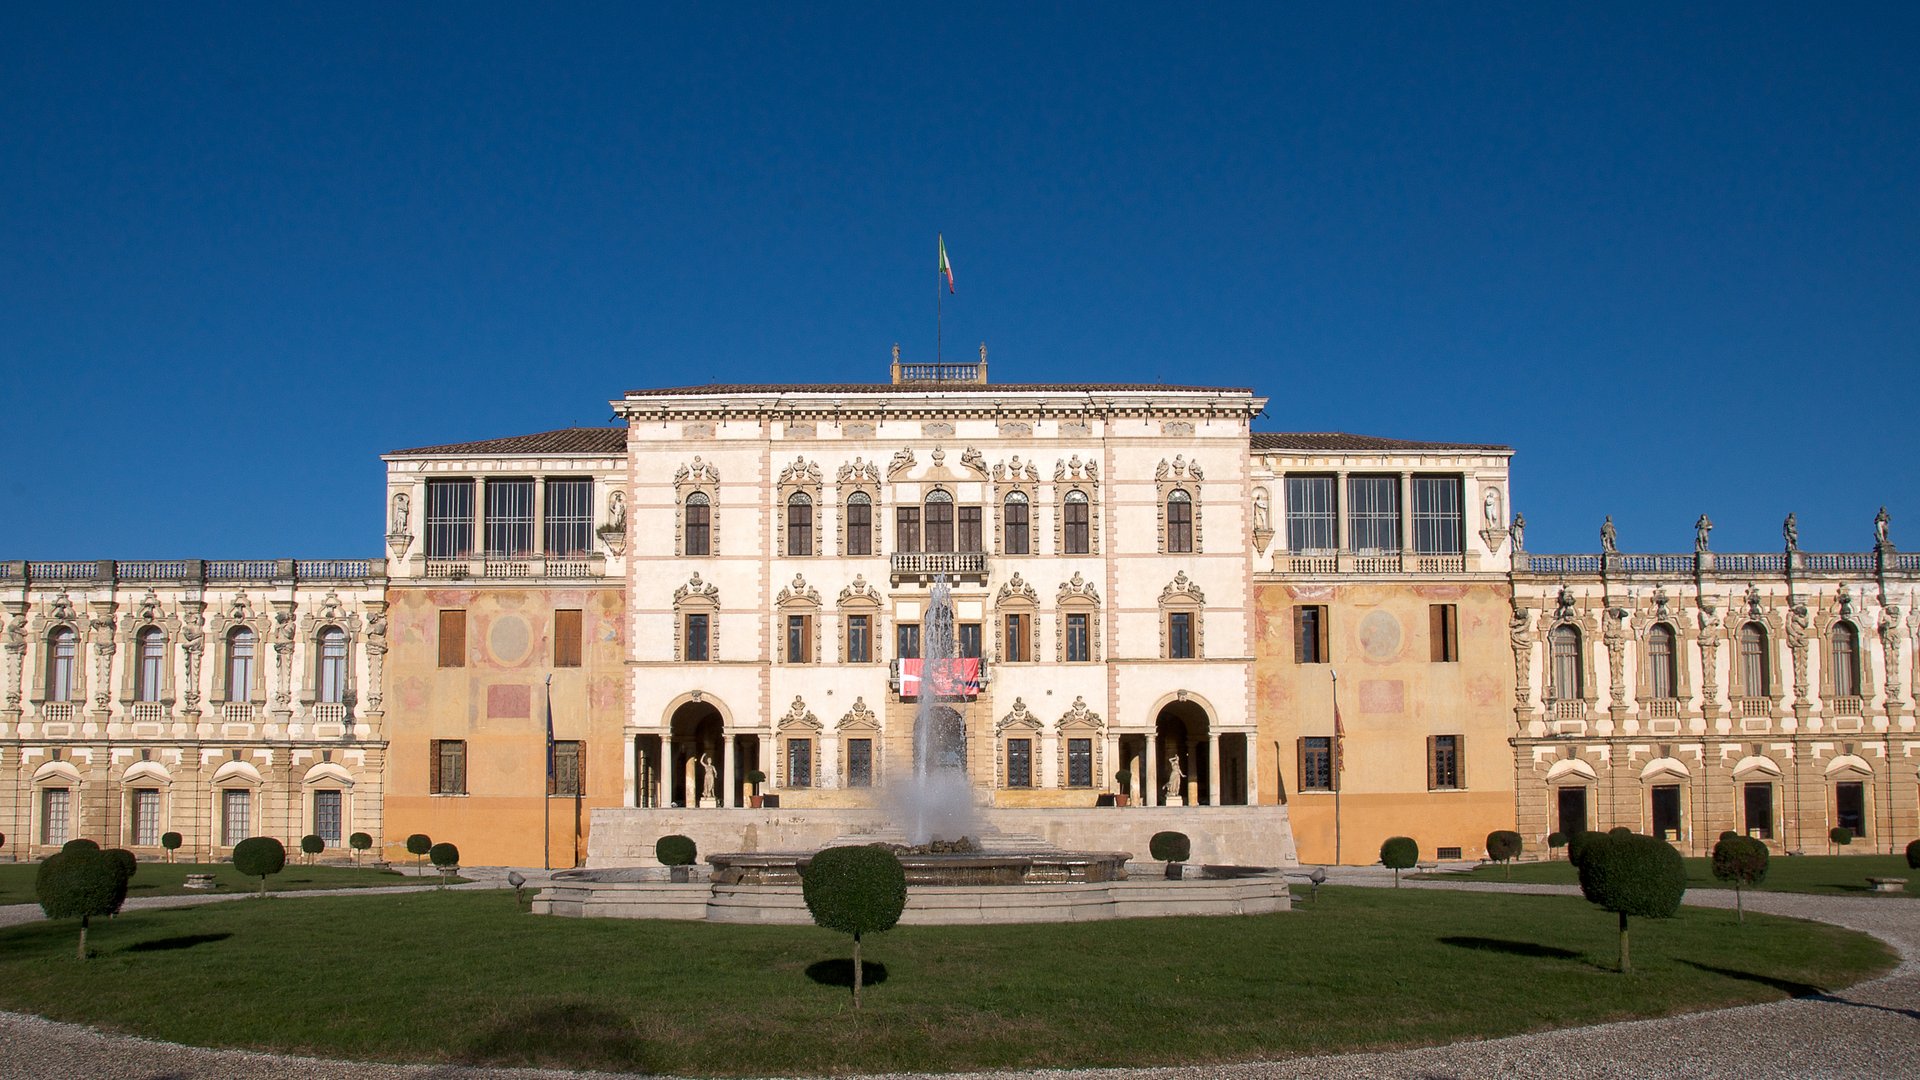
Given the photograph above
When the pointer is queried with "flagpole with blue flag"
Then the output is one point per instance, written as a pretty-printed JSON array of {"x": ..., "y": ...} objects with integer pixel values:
[{"x": 546, "y": 804}]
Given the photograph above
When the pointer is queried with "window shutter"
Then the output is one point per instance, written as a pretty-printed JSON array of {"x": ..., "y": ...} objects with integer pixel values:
[
  {"x": 433, "y": 766},
  {"x": 453, "y": 639},
  {"x": 1432, "y": 772},
  {"x": 1437, "y": 630},
  {"x": 1324, "y": 657},
  {"x": 580, "y": 768},
  {"x": 1299, "y": 639},
  {"x": 1460, "y": 761},
  {"x": 1300, "y": 762},
  {"x": 566, "y": 637}
]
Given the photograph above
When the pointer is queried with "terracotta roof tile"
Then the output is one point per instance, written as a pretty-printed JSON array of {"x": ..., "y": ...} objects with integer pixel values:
[
  {"x": 722, "y": 389},
  {"x": 588, "y": 441},
  {"x": 1335, "y": 440}
]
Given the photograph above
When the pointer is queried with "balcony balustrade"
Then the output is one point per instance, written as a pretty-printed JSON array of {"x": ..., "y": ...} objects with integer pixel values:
[{"x": 928, "y": 564}]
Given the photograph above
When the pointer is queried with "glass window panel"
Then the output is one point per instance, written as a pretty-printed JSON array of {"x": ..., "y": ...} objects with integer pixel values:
[
  {"x": 1179, "y": 521},
  {"x": 1567, "y": 669},
  {"x": 968, "y": 635},
  {"x": 799, "y": 763},
  {"x": 449, "y": 519},
  {"x": 906, "y": 531},
  {"x": 55, "y": 824},
  {"x": 61, "y": 669},
  {"x": 859, "y": 639},
  {"x": 153, "y": 646},
  {"x": 509, "y": 518},
  {"x": 326, "y": 816},
  {"x": 1014, "y": 522},
  {"x": 1019, "y": 763},
  {"x": 146, "y": 817},
  {"x": 1080, "y": 763},
  {"x": 859, "y": 524},
  {"x": 1078, "y": 646},
  {"x": 566, "y": 768},
  {"x": 859, "y": 762},
  {"x": 569, "y": 516},
  {"x": 1077, "y": 530},
  {"x": 1753, "y": 660},
  {"x": 799, "y": 524},
  {"x": 699, "y": 525},
  {"x": 969, "y": 539},
  {"x": 697, "y": 637},
  {"x": 236, "y": 816},
  {"x": 240, "y": 664},
  {"x": 333, "y": 665},
  {"x": 907, "y": 641},
  {"x": 1311, "y": 526},
  {"x": 1373, "y": 516},
  {"x": 1180, "y": 635},
  {"x": 1846, "y": 663},
  {"x": 1437, "y": 525},
  {"x": 1316, "y": 763},
  {"x": 939, "y": 521},
  {"x": 1660, "y": 657}
]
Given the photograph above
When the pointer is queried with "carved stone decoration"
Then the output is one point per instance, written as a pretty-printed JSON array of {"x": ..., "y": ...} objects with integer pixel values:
[
  {"x": 801, "y": 471},
  {"x": 858, "y": 471},
  {"x": 1078, "y": 715},
  {"x": 614, "y": 533},
  {"x": 1075, "y": 469},
  {"x": 400, "y": 531},
  {"x": 1262, "y": 519},
  {"x": 936, "y": 429},
  {"x": 1609, "y": 537},
  {"x": 331, "y": 609},
  {"x": 973, "y": 459},
  {"x": 1519, "y": 533},
  {"x": 1881, "y": 528},
  {"x": 859, "y": 716},
  {"x": 1181, "y": 588},
  {"x": 1790, "y": 533},
  {"x": 1756, "y": 607},
  {"x": 799, "y": 590},
  {"x": 1660, "y": 602},
  {"x": 376, "y": 641},
  {"x": 1700, "y": 530},
  {"x": 1010, "y": 470},
  {"x": 1079, "y": 586},
  {"x": 16, "y": 651},
  {"x": 1016, "y": 588},
  {"x": 1799, "y": 624},
  {"x": 1519, "y": 629},
  {"x": 1564, "y": 605},
  {"x": 63, "y": 610},
  {"x": 1018, "y": 716},
  {"x": 148, "y": 610},
  {"x": 1710, "y": 631},
  {"x": 696, "y": 587},
  {"x": 1892, "y": 641},
  {"x": 902, "y": 461},
  {"x": 859, "y": 590},
  {"x": 1845, "y": 597},
  {"x": 193, "y": 645},
  {"x": 101, "y": 627},
  {"x": 284, "y": 634},
  {"x": 1614, "y": 635}
]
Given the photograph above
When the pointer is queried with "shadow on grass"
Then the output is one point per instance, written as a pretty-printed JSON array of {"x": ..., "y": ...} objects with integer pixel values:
[
  {"x": 573, "y": 1032},
  {"x": 1515, "y": 948},
  {"x": 840, "y": 973},
  {"x": 168, "y": 944},
  {"x": 1793, "y": 988}
]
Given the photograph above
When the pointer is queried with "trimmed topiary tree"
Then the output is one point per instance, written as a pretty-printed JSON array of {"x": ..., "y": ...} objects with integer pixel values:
[
  {"x": 1123, "y": 784},
  {"x": 311, "y": 845},
  {"x": 80, "y": 883},
  {"x": 1399, "y": 853},
  {"x": 359, "y": 842},
  {"x": 1556, "y": 841},
  {"x": 1840, "y": 835},
  {"x": 1913, "y": 855},
  {"x": 124, "y": 861},
  {"x": 1742, "y": 861},
  {"x": 418, "y": 845},
  {"x": 80, "y": 844},
  {"x": 444, "y": 857},
  {"x": 855, "y": 890},
  {"x": 1579, "y": 842},
  {"x": 1504, "y": 846},
  {"x": 675, "y": 850},
  {"x": 1172, "y": 848},
  {"x": 171, "y": 841},
  {"x": 261, "y": 857},
  {"x": 1633, "y": 875}
]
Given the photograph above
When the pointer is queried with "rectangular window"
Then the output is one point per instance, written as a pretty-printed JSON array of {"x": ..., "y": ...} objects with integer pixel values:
[
  {"x": 906, "y": 640},
  {"x": 1179, "y": 522},
  {"x": 569, "y": 517},
  {"x": 697, "y": 637},
  {"x": 906, "y": 530},
  {"x": 566, "y": 637},
  {"x": 799, "y": 763},
  {"x": 146, "y": 817},
  {"x": 453, "y": 639},
  {"x": 1077, "y": 530},
  {"x": 568, "y": 768},
  {"x": 1443, "y": 762},
  {"x": 326, "y": 816},
  {"x": 1373, "y": 514},
  {"x": 1079, "y": 644},
  {"x": 447, "y": 759},
  {"x": 1437, "y": 526},
  {"x": 55, "y": 822},
  {"x": 1080, "y": 763},
  {"x": 799, "y": 639},
  {"x": 939, "y": 512},
  {"x": 449, "y": 519},
  {"x": 1759, "y": 799},
  {"x": 970, "y": 528},
  {"x": 1443, "y": 632},
  {"x": 1311, "y": 524},
  {"x": 1016, "y": 638},
  {"x": 1019, "y": 763},
  {"x": 859, "y": 526},
  {"x": 236, "y": 816},
  {"x": 859, "y": 639},
  {"x": 1180, "y": 635},
  {"x": 333, "y": 665},
  {"x": 1850, "y": 806},
  {"x": 509, "y": 519},
  {"x": 1014, "y": 524},
  {"x": 967, "y": 637},
  {"x": 699, "y": 522},
  {"x": 1309, "y": 634},
  {"x": 1316, "y": 763},
  {"x": 60, "y": 672},
  {"x": 799, "y": 525},
  {"x": 859, "y": 762}
]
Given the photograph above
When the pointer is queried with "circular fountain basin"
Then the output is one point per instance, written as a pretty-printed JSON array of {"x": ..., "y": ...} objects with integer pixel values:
[{"x": 964, "y": 869}]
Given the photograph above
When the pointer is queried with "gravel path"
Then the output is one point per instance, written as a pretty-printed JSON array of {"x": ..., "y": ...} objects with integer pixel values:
[{"x": 1868, "y": 1031}]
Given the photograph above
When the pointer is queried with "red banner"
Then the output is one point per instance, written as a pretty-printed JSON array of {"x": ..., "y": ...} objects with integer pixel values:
[{"x": 953, "y": 679}]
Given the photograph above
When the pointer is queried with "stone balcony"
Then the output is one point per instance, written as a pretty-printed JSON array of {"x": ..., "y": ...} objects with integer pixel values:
[{"x": 927, "y": 565}]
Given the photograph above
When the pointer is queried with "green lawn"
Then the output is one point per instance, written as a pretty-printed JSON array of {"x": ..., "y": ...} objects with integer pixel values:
[
  {"x": 1833, "y": 875},
  {"x": 468, "y": 977},
  {"x": 169, "y": 879}
]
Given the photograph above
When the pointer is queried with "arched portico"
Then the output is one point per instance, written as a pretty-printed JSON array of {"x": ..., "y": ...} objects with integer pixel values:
[
  {"x": 1185, "y": 730},
  {"x": 666, "y": 768}
]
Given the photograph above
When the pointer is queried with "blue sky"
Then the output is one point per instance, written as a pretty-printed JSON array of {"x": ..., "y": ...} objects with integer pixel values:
[{"x": 1670, "y": 256}]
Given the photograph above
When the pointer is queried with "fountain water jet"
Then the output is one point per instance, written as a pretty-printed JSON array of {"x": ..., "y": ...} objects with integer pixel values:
[{"x": 936, "y": 802}]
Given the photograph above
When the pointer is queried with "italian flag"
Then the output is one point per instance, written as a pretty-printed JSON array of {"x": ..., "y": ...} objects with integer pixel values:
[{"x": 945, "y": 266}]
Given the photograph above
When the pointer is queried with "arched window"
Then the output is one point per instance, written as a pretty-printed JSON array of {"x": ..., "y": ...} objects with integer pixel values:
[
  {"x": 1075, "y": 514},
  {"x": 240, "y": 664},
  {"x": 939, "y": 521},
  {"x": 1846, "y": 660},
  {"x": 1660, "y": 661},
  {"x": 333, "y": 664},
  {"x": 146, "y": 678},
  {"x": 799, "y": 524},
  {"x": 1567, "y": 674},
  {"x": 859, "y": 524},
  {"x": 1013, "y": 523},
  {"x": 1755, "y": 678},
  {"x": 1179, "y": 521},
  {"x": 62, "y": 647},
  {"x": 699, "y": 522}
]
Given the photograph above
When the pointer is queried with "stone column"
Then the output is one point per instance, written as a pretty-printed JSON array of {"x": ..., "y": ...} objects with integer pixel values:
[
  {"x": 540, "y": 515},
  {"x": 1343, "y": 541},
  {"x": 479, "y": 516},
  {"x": 1406, "y": 515},
  {"x": 725, "y": 787},
  {"x": 663, "y": 775},
  {"x": 1213, "y": 769},
  {"x": 1150, "y": 772}
]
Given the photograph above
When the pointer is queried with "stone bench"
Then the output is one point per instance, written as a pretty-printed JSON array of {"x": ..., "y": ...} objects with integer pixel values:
[
  {"x": 1888, "y": 884},
  {"x": 198, "y": 881}
]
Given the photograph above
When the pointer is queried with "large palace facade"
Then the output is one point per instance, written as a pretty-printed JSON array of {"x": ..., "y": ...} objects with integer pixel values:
[{"x": 710, "y": 620}]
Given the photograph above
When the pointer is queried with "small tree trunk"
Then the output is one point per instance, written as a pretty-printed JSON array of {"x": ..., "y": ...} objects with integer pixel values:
[
  {"x": 263, "y": 886},
  {"x": 83, "y": 937},
  {"x": 858, "y": 971},
  {"x": 1625, "y": 964},
  {"x": 1739, "y": 911},
  {"x": 1396, "y": 877}
]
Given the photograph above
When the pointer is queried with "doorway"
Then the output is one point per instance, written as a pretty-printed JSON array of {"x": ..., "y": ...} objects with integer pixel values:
[
  {"x": 1666, "y": 811},
  {"x": 1572, "y": 810}
]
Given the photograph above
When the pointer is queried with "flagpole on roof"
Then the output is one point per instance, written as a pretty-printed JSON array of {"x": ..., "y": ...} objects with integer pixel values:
[{"x": 939, "y": 268}]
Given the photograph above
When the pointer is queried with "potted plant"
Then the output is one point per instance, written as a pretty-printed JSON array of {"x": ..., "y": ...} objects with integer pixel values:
[
  {"x": 1123, "y": 780},
  {"x": 754, "y": 779},
  {"x": 676, "y": 853},
  {"x": 1172, "y": 848}
]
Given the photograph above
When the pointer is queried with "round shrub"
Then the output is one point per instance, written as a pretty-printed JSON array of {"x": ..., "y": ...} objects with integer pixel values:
[
  {"x": 1841, "y": 835},
  {"x": 261, "y": 857},
  {"x": 1729, "y": 835},
  {"x": 171, "y": 841},
  {"x": 1556, "y": 841},
  {"x": 1619, "y": 830},
  {"x": 311, "y": 844},
  {"x": 80, "y": 844},
  {"x": 79, "y": 884},
  {"x": 1399, "y": 853},
  {"x": 444, "y": 856},
  {"x": 1913, "y": 855},
  {"x": 419, "y": 844},
  {"x": 1633, "y": 875},
  {"x": 675, "y": 850},
  {"x": 756, "y": 777},
  {"x": 124, "y": 861},
  {"x": 1742, "y": 861},
  {"x": 855, "y": 890},
  {"x": 1580, "y": 842},
  {"x": 1504, "y": 844},
  {"x": 360, "y": 841},
  {"x": 1170, "y": 846}
]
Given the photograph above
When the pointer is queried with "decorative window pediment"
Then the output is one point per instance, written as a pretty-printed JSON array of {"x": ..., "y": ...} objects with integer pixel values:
[
  {"x": 798, "y": 594},
  {"x": 799, "y": 720},
  {"x": 797, "y": 532},
  {"x": 1017, "y": 590},
  {"x": 860, "y": 593},
  {"x": 1079, "y": 718},
  {"x": 696, "y": 501},
  {"x": 1182, "y": 624},
  {"x": 1018, "y": 718}
]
